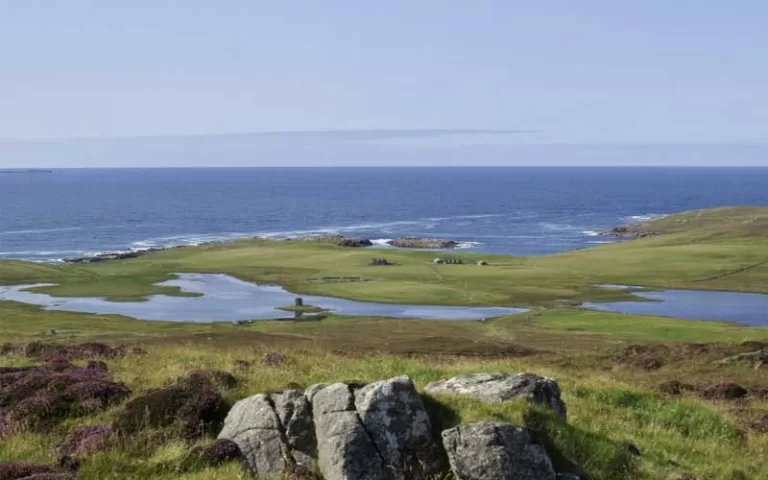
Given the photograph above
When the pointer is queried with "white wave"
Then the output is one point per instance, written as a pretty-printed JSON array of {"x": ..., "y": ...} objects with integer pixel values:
[
  {"x": 591, "y": 233},
  {"x": 381, "y": 241},
  {"x": 464, "y": 245},
  {"x": 193, "y": 237},
  {"x": 558, "y": 227},
  {"x": 646, "y": 217},
  {"x": 144, "y": 244},
  {"x": 386, "y": 227},
  {"x": 41, "y": 230},
  {"x": 43, "y": 253},
  {"x": 460, "y": 217},
  {"x": 337, "y": 230},
  {"x": 72, "y": 229},
  {"x": 292, "y": 233},
  {"x": 485, "y": 215},
  {"x": 103, "y": 252},
  {"x": 182, "y": 240}
]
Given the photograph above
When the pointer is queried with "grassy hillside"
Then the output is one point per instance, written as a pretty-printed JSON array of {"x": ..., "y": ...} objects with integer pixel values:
[
  {"x": 610, "y": 366},
  {"x": 715, "y": 223}
]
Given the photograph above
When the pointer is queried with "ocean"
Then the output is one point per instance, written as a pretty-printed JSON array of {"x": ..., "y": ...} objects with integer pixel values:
[{"x": 513, "y": 210}]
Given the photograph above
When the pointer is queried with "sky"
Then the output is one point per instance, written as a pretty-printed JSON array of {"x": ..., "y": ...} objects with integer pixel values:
[{"x": 494, "y": 73}]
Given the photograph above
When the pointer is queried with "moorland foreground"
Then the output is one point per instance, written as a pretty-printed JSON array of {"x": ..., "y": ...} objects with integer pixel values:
[{"x": 627, "y": 418}]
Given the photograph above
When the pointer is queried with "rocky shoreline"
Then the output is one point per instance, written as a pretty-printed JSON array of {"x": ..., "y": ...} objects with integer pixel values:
[
  {"x": 629, "y": 231},
  {"x": 103, "y": 257},
  {"x": 338, "y": 240},
  {"x": 428, "y": 243}
]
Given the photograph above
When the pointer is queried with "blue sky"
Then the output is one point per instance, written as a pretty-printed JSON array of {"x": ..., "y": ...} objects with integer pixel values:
[{"x": 566, "y": 72}]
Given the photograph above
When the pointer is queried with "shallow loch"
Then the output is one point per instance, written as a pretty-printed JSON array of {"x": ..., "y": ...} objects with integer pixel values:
[
  {"x": 225, "y": 298},
  {"x": 745, "y": 308}
]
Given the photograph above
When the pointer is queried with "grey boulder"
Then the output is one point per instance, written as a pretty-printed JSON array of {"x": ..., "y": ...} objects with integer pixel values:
[
  {"x": 255, "y": 427},
  {"x": 500, "y": 387},
  {"x": 345, "y": 451},
  {"x": 496, "y": 451},
  {"x": 395, "y": 418}
]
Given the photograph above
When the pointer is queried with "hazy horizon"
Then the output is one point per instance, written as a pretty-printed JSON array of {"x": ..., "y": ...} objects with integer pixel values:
[{"x": 364, "y": 149}]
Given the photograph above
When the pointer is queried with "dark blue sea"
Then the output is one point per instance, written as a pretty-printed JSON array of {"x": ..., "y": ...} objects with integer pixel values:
[{"x": 516, "y": 210}]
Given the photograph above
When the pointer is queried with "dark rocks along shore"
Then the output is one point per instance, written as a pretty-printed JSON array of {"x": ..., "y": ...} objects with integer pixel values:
[
  {"x": 103, "y": 257},
  {"x": 407, "y": 242},
  {"x": 630, "y": 231},
  {"x": 338, "y": 240},
  {"x": 417, "y": 242}
]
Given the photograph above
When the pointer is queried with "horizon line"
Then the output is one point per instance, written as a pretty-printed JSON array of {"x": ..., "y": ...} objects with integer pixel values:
[
  {"x": 32, "y": 170},
  {"x": 370, "y": 131}
]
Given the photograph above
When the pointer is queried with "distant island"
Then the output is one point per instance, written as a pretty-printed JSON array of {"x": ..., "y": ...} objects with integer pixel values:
[{"x": 28, "y": 170}]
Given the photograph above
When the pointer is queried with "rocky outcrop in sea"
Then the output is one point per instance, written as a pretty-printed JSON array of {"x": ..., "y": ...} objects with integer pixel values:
[
  {"x": 420, "y": 242},
  {"x": 103, "y": 257},
  {"x": 629, "y": 231},
  {"x": 338, "y": 240}
]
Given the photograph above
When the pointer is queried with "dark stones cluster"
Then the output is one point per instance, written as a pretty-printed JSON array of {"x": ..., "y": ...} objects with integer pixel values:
[
  {"x": 629, "y": 231},
  {"x": 427, "y": 243},
  {"x": 449, "y": 261},
  {"x": 380, "y": 262}
]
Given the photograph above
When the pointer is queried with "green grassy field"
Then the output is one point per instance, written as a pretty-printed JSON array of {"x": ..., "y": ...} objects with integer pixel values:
[{"x": 612, "y": 398}]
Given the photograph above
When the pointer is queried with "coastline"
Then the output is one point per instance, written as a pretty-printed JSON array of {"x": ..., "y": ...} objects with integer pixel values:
[
  {"x": 11, "y": 171},
  {"x": 630, "y": 231},
  {"x": 633, "y": 229},
  {"x": 340, "y": 240}
]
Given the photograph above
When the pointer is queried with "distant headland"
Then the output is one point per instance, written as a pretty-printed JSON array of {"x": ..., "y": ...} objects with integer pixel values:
[{"x": 27, "y": 170}]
